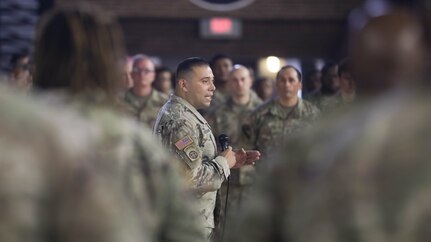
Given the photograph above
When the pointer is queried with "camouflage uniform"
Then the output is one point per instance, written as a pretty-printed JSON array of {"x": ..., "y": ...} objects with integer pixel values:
[
  {"x": 187, "y": 134},
  {"x": 145, "y": 109},
  {"x": 51, "y": 188},
  {"x": 219, "y": 98},
  {"x": 271, "y": 122},
  {"x": 326, "y": 103},
  {"x": 228, "y": 119},
  {"x": 144, "y": 169},
  {"x": 359, "y": 176}
]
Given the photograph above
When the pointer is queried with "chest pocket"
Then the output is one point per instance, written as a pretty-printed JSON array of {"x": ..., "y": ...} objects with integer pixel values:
[
  {"x": 271, "y": 129},
  {"x": 291, "y": 126},
  {"x": 206, "y": 142}
]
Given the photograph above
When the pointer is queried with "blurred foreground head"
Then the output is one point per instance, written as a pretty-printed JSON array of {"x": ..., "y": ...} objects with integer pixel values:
[
  {"x": 78, "y": 47},
  {"x": 389, "y": 51}
]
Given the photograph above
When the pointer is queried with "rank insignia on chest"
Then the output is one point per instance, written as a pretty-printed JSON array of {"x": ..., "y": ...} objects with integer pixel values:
[{"x": 184, "y": 142}]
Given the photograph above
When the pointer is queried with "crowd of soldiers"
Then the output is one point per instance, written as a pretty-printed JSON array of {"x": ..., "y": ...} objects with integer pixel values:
[{"x": 99, "y": 147}]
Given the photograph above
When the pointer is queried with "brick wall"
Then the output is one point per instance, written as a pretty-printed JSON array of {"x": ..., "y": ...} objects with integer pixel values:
[
  {"x": 290, "y": 28},
  {"x": 259, "y": 9},
  {"x": 17, "y": 22},
  {"x": 260, "y": 38}
]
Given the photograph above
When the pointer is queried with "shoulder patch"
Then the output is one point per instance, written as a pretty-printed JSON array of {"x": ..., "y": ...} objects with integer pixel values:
[
  {"x": 184, "y": 142},
  {"x": 192, "y": 153}
]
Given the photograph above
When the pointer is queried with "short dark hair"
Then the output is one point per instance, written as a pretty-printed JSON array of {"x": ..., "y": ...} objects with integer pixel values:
[
  {"x": 18, "y": 56},
  {"x": 163, "y": 69},
  {"x": 289, "y": 67},
  {"x": 344, "y": 66},
  {"x": 217, "y": 58},
  {"x": 328, "y": 66},
  {"x": 186, "y": 66}
]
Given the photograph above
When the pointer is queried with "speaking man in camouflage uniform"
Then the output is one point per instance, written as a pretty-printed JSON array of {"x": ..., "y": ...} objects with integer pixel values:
[
  {"x": 143, "y": 100},
  {"x": 227, "y": 119},
  {"x": 126, "y": 151},
  {"x": 362, "y": 174},
  {"x": 282, "y": 116},
  {"x": 184, "y": 131}
]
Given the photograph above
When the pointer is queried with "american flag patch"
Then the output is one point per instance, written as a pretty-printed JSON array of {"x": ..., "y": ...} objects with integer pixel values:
[{"x": 184, "y": 142}]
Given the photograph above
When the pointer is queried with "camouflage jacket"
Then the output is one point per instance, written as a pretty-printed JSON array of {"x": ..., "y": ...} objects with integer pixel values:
[
  {"x": 271, "y": 122},
  {"x": 219, "y": 98},
  {"x": 228, "y": 118},
  {"x": 142, "y": 168},
  {"x": 53, "y": 185},
  {"x": 359, "y": 176},
  {"x": 184, "y": 131},
  {"x": 145, "y": 109},
  {"x": 326, "y": 103}
]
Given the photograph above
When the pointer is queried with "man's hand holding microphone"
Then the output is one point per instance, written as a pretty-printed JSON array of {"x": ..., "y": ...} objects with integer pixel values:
[{"x": 237, "y": 159}]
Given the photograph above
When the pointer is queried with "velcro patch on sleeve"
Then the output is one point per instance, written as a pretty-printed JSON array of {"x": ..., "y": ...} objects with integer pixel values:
[
  {"x": 184, "y": 142},
  {"x": 192, "y": 153}
]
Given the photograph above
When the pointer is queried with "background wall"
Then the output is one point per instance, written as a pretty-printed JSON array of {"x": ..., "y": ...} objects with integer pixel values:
[
  {"x": 169, "y": 29},
  {"x": 295, "y": 28},
  {"x": 17, "y": 21}
]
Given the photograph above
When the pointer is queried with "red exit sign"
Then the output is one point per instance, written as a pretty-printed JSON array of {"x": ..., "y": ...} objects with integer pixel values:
[
  {"x": 221, "y": 25},
  {"x": 220, "y": 28}
]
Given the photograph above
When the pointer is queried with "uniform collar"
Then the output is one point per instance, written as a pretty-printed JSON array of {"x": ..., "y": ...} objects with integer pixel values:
[
  {"x": 188, "y": 106},
  {"x": 137, "y": 100},
  {"x": 252, "y": 102},
  {"x": 282, "y": 112}
]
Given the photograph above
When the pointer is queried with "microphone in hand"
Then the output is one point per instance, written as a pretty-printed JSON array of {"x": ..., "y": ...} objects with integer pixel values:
[{"x": 223, "y": 141}]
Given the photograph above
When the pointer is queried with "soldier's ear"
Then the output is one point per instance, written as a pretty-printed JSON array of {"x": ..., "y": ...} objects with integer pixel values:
[{"x": 182, "y": 84}]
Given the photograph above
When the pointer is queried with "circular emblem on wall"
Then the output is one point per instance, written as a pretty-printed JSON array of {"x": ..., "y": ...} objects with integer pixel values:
[{"x": 222, "y": 5}]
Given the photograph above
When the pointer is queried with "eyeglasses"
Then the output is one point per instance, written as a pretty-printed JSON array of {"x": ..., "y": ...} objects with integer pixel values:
[{"x": 140, "y": 71}]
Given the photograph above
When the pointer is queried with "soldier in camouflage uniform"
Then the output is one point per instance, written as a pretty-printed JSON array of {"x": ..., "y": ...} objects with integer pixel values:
[
  {"x": 227, "y": 119},
  {"x": 128, "y": 153},
  {"x": 282, "y": 116},
  {"x": 20, "y": 76},
  {"x": 346, "y": 92},
  {"x": 347, "y": 82},
  {"x": 187, "y": 134},
  {"x": 329, "y": 96},
  {"x": 357, "y": 177},
  {"x": 143, "y": 100},
  {"x": 51, "y": 184},
  {"x": 364, "y": 174},
  {"x": 221, "y": 65}
]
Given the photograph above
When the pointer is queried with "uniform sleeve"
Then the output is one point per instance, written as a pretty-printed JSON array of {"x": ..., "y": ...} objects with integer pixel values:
[
  {"x": 177, "y": 219},
  {"x": 206, "y": 174}
]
